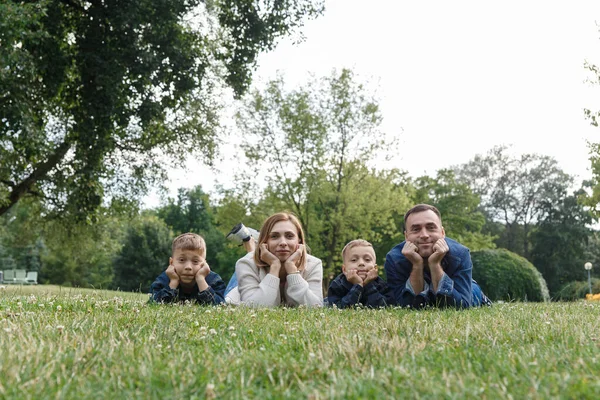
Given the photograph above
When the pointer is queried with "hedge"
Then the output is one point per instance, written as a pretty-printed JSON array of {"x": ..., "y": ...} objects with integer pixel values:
[
  {"x": 504, "y": 275},
  {"x": 577, "y": 290}
]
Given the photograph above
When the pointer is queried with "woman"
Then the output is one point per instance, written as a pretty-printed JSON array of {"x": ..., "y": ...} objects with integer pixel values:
[{"x": 279, "y": 271}]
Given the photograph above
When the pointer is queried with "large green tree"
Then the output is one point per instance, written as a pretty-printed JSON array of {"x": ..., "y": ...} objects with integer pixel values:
[
  {"x": 313, "y": 145},
  {"x": 560, "y": 243},
  {"x": 93, "y": 92},
  {"x": 515, "y": 190}
]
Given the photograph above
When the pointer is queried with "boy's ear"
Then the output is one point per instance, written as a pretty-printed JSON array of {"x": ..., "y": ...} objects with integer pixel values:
[
  {"x": 170, "y": 260},
  {"x": 343, "y": 268}
]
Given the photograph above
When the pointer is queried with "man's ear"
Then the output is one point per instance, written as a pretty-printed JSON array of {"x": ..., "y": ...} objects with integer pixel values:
[{"x": 443, "y": 232}]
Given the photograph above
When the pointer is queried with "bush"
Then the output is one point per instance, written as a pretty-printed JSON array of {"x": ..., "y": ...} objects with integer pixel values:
[
  {"x": 504, "y": 275},
  {"x": 577, "y": 290}
]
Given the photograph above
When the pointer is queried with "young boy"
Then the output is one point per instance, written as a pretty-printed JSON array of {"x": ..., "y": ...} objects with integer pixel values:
[
  {"x": 188, "y": 276},
  {"x": 359, "y": 282}
]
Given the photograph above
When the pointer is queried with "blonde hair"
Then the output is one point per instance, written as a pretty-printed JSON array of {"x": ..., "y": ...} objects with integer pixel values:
[
  {"x": 265, "y": 232},
  {"x": 356, "y": 243},
  {"x": 189, "y": 241}
]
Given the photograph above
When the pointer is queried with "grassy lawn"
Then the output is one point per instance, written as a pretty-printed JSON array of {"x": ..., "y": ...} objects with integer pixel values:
[{"x": 73, "y": 343}]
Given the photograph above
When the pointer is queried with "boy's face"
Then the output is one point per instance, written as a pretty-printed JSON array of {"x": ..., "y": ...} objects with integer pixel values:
[
  {"x": 186, "y": 264},
  {"x": 360, "y": 258}
]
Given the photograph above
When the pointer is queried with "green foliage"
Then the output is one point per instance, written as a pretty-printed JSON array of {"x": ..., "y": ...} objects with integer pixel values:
[
  {"x": 515, "y": 190},
  {"x": 95, "y": 92},
  {"x": 144, "y": 255},
  {"x": 559, "y": 243},
  {"x": 577, "y": 290},
  {"x": 114, "y": 345},
  {"x": 504, "y": 275},
  {"x": 459, "y": 207},
  {"x": 313, "y": 146}
]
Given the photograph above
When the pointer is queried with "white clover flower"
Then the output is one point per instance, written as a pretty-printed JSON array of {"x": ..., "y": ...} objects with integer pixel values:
[
  {"x": 60, "y": 328},
  {"x": 203, "y": 328},
  {"x": 207, "y": 312},
  {"x": 196, "y": 323},
  {"x": 213, "y": 331},
  {"x": 41, "y": 305},
  {"x": 2, "y": 287},
  {"x": 58, "y": 308},
  {"x": 232, "y": 328},
  {"x": 250, "y": 331},
  {"x": 233, "y": 334}
]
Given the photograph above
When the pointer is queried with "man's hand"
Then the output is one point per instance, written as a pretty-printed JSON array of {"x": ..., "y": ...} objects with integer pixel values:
[
  {"x": 173, "y": 277},
  {"x": 353, "y": 278},
  {"x": 440, "y": 249},
  {"x": 371, "y": 276},
  {"x": 291, "y": 262},
  {"x": 411, "y": 252}
]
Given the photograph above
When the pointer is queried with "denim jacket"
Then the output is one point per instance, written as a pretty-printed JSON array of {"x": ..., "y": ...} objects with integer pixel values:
[
  {"x": 454, "y": 289},
  {"x": 345, "y": 294},
  {"x": 162, "y": 293}
]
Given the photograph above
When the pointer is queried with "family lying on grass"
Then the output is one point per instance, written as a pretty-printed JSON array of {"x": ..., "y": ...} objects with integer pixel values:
[{"x": 427, "y": 269}]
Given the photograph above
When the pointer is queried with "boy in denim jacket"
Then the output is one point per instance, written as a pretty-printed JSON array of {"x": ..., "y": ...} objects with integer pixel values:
[
  {"x": 359, "y": 282},
  {"x": 188, "y": 276}
]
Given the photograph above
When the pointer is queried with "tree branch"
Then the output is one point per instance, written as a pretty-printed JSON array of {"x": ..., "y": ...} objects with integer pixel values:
[{"x": 38, "y": 173}]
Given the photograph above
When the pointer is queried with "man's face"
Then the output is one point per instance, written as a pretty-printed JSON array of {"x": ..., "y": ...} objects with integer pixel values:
[
  {"x": 424, "y": 229},
  {"x": 361, "y": 259},
  {"x": 187, "y": 263}
]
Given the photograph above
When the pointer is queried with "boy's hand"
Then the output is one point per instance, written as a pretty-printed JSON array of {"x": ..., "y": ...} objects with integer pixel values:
[
  {"x": 353, "y": 278},
  {"x": 173, "y": 277},
  {"x": 411, "y": 252},
  {"x": 201, "y": 275},
  {"x": 204, "y": 270},
  {"x": 371, "y": 276}
]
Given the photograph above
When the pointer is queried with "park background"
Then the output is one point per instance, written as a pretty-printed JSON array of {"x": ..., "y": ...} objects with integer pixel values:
[{"x": 345, "y": 115}]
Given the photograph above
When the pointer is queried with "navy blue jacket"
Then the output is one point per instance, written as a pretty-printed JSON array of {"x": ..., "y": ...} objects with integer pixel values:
[
  {"x": 454, "y": 289},
  {"x": 345, "y": 294},
  {"x": 162, "y": 293}
]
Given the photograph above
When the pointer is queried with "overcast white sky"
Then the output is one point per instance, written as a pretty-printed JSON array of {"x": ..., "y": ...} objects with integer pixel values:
[{"x": 455, "y": 78}]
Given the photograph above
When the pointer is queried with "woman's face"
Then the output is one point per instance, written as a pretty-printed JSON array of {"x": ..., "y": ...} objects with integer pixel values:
[{"x": 283, "y": 240}]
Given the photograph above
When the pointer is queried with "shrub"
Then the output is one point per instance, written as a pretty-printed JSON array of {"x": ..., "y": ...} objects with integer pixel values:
[
  {"x": 577, "y": 290},
  {"x": 504, "y": 275}
]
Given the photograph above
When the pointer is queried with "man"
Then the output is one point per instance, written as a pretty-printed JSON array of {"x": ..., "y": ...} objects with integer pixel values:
[{"x": 429, "y": 269}]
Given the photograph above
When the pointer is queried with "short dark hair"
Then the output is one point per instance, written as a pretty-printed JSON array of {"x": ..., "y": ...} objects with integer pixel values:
[{"x": 420, "y": 208}]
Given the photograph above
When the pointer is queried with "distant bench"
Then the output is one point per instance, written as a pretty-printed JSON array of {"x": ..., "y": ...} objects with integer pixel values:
[{"x": 18, "y": 276}]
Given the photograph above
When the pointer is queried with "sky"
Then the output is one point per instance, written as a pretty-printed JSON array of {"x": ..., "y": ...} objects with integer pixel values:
[{"x": 454, "y": 79}]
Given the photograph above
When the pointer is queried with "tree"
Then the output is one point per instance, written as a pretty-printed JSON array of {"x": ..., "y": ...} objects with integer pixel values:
[
  {"x": 514, "y": 190},
  {"x": 560, "y": 243},
  {"x": 144, "y": 255},
  {"x": 313, "y": 146},
  {"x": 459, "y": 207},
  {"x": 94, "y": 91}
]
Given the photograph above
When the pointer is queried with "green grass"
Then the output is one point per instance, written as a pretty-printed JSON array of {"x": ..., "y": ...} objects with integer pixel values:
[{"x": 72, "y": 343}]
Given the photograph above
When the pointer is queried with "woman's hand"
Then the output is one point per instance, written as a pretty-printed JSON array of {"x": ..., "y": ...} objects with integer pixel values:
[
  {"x": 292, "y": 261},
  {"x": 270, "y": 259}
]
